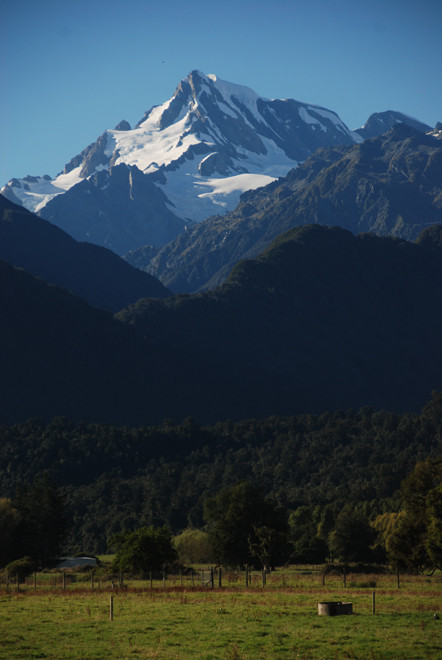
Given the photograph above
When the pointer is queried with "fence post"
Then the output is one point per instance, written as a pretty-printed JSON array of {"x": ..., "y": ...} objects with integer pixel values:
[
  {"x": 211, "y": 576},
  {"x": 111, "y": 608},
  {"x": 164, "y": 578},
  {"x": 374, "y": 602},
  {"x": 264, "y": 576},
  {"x": 192, "y": 576},
  {"x": 220, "y": 572},
  {"x": 64, "y": 580},
  {"x": 35, "y": 580},
  {"x": 247, "y": 575},
  {"x": 345, "y": 578},
  {"x": 150, "y": 578},
  {"x": 398, "y": 579},
  {"x": 181, "y": 578}
]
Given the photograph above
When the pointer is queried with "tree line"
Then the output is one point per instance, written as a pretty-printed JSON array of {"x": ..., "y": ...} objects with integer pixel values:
[
  {"x": 332, "y": 476},
  {"x": 244, "y": 528}
]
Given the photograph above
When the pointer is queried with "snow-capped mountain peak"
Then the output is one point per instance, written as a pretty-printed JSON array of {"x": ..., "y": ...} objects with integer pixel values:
[{"x": 205, "y": 146}]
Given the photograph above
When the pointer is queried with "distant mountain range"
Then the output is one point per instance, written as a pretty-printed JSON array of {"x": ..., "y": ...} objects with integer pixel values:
[
  {"x": 92, "y": 272},
  {"x": 185, "y": 160},
  {"x": 285, "y": 306},
  {"x": 322, "y": 320},
  {"x": 389, "y": 185}
]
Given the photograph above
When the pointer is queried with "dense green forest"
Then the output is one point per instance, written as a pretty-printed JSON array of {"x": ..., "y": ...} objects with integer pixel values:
[{"x": 119, "y": 479}]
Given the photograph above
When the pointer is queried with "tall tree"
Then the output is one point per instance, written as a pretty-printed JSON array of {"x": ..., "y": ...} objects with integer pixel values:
[
  {"x": 147, "y": 548},
  {"x": 43, "y": 524},
  {"x": 412, "y": 538},
  {"x": 246, "y": 528},
  {"x": 9, "y": 524}
]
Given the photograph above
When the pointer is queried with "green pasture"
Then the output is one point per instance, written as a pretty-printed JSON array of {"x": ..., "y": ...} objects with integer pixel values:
[{"x": 235, "y": 621}]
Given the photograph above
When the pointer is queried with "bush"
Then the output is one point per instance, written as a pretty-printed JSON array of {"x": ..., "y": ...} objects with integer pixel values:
[
  {"x": 21, "y": 568},
  {"x": 145, "y": 549},
  {"x": 193, "y": 547}
]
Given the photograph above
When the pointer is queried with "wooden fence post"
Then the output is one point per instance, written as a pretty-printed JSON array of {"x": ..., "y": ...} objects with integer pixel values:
[
  {"x": 35, "y": 580},
  {"x": 247, "y": 576},
  {"x": 345, "y": 578},
  {"x": 111, "y": 608},
  {"x": 150, "y": 578},
  {"x": 374, "y": 602},
  {"x": 192, "y": 576},
  {"x": 211, "y": 577},
  {"x": 398, "y": 579},
  {"x": 220, "y": 579},
  {"x": 92, "y": 579}
]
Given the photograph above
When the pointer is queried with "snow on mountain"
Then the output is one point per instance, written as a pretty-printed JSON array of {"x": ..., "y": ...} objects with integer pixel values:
[{"x": 203, "y": 148}]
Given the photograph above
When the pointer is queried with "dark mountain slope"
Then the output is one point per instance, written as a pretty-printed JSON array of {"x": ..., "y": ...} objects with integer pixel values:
[
  {"x": 118, "y": 209},
  {"x": 60, "y": 356},
  {"x": 390, "y": 185},
  {"x": 94, "y": 273},
  {"x": 322, "y": 320}
]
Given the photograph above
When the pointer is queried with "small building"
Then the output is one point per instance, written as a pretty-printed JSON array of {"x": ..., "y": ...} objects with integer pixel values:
[{"x": 75, "y": 562}]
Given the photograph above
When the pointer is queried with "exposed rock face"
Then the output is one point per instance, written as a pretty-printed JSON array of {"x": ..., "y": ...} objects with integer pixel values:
[
  {"x": 391, "y": 184},
  {"x": 123, "y": 126},
  {"x": 203, "y": 148},
  {"x": 380, "y": 122},
  {"x": 88, "y": 210}
]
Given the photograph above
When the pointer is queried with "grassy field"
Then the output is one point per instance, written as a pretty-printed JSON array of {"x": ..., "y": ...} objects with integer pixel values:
[{"x": 278, "y": 621}]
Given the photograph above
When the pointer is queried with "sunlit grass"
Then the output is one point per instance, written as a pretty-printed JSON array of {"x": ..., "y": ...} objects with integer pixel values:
[{"x": 278, "y": 621}]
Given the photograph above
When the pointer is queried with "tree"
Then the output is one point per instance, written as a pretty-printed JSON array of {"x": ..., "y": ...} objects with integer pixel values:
[
  {"x": 246, "y": 528},
  {"x": 412, "y": 538},
  {"x": 305, "y": 524},
  {"x": 434, "y": 529},
  {"x": 9, "y": 524},
  {"x": 193, "y": 545},
  {"x": 352, "y": 537},
  {"x": 43, "y": 524},
  {"x": 394, "y": 538},
  {"x": 145, "y": 549}
]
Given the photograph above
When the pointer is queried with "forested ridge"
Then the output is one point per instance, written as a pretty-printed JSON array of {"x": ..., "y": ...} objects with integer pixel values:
[{"x": 118, "y": 479}]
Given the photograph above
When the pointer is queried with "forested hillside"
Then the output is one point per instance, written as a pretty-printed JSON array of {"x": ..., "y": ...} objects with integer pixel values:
[
  {"x": 123, "y": 478},
  {"x": 322, "y": 320}
]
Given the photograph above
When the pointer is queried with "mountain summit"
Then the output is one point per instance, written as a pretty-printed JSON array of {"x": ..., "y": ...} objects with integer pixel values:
[{"x": 186, "y": 159}]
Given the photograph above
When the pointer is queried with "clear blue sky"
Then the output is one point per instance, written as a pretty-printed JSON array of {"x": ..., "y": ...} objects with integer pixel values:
[{"x": 69, "y": 69}]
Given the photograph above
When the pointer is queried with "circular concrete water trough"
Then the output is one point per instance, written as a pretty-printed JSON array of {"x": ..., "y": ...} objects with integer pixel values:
[{"x": 334, "y": 608}]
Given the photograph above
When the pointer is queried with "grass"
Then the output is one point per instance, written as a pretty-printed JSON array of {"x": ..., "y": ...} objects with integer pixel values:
[{"x": 235, "y": 622}]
